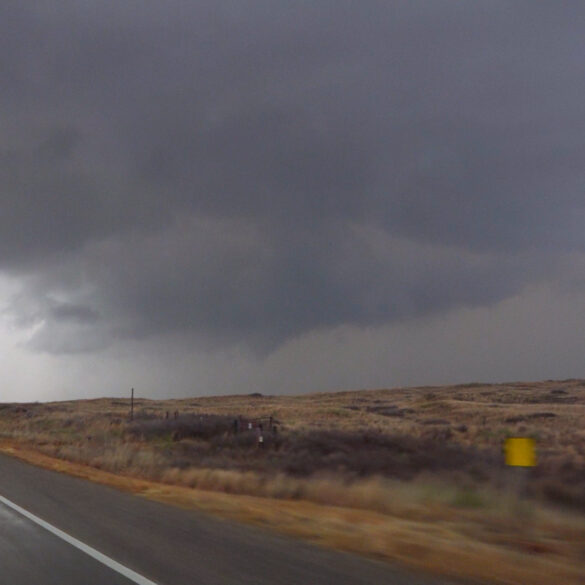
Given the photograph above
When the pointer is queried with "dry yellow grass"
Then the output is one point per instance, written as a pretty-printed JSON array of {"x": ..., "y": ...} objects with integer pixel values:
[
  {"x": 431, "y": 522},
  {"x": 486, "y": 409},
  {"x": 549, "y": 550}
]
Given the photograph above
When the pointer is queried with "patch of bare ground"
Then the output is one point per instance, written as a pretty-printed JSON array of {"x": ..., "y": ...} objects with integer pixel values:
[{"x": 413, "y": 475}]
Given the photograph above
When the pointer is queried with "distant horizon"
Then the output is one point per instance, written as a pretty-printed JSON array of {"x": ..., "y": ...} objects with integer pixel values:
[{"x": 138, "y": 397}]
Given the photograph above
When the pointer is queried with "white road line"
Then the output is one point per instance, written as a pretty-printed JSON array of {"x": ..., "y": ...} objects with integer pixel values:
[{"x": 88, "y": 550}]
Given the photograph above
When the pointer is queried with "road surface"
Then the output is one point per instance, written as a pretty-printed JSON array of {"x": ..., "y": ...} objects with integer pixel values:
[{"x": 163, "y": 544}]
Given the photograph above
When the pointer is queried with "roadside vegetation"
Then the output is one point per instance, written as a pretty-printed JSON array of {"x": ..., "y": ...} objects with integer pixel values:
[{"x": 408, "y": 471}]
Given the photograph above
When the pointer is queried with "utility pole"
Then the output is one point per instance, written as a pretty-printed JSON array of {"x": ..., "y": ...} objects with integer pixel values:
[{"x": 132, "y": 404}]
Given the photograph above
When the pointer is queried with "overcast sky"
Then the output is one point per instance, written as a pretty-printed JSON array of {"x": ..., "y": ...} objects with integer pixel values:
[{"x": 224, "y": 197}]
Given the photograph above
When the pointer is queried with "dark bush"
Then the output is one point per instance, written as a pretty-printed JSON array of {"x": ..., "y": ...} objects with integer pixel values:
[
  {"x": 370, "y": 453},
  {"x": 185, "y": 426},
  {"x": 533, "y": 415},
  {"x": 570, "y": 496},
  {"x": 389, "y": 410}
]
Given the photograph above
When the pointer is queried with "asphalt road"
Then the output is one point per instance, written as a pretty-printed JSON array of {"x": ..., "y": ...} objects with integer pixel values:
[
  {"x": 167, "y": 545},
  {"x": 29, "y": 554}
]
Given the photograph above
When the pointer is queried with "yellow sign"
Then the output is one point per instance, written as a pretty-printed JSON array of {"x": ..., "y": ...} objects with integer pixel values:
[{"x": 520, "y": 452}]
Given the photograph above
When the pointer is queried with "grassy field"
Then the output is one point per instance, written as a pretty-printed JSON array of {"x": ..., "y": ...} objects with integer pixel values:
[{"x": 413, "y": 475}]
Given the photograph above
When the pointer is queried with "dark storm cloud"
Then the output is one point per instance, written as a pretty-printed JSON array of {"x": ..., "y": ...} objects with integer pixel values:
[{"x": 256, "y": 171}]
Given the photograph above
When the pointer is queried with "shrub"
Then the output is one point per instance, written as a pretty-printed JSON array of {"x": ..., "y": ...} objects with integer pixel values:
[{"x": 186, "y": 426}]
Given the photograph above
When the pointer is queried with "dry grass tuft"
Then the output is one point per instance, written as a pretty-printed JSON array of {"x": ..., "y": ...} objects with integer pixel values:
[{"x": 413, "y": 475}]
